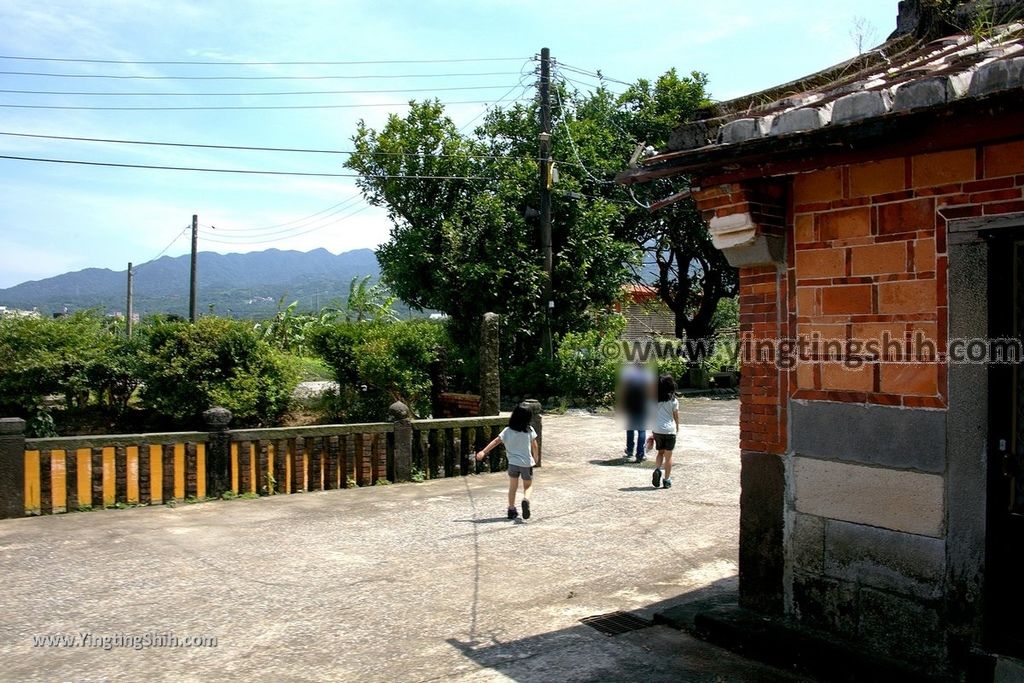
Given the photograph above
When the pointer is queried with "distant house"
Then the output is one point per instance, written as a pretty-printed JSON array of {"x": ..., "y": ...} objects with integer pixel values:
[
  {"x": 6, "y": 312},
  {"x": 645, "y": 313},
  {"x": 882, "y": 490}
]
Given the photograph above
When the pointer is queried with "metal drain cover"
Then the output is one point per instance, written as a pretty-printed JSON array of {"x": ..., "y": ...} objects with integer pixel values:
[{"x": 615, "y": 623}]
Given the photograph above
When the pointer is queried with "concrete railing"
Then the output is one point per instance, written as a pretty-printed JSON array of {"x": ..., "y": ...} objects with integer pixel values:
[{"x": 64, "y": 474}]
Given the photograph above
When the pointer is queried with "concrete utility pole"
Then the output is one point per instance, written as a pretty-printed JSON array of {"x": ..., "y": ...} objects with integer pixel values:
[
  {"x": 545, "y": 193},
  {"x": 129, "y": 307},
  {"x": 192, "y": 279}
]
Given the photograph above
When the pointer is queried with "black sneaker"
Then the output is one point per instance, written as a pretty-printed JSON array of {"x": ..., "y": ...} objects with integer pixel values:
[
  {"x": 526, "y": 509},
  {"x": 640, "y": 457},
  {"x": 656, "y": 478},
  {"x": 512, "y": 513},
  {"x": 667, "y": 484}
]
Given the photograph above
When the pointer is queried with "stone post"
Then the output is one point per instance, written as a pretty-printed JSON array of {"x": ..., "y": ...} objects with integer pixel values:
[
  {"x": 218, "y": 451},
  {"x": 535, "y": 408},
  {"x": 490, "y": 387},
  {"x": 438, "y": 380},
  {"x": 12, "y": 467},
  {"x": 402, "y": 419}
]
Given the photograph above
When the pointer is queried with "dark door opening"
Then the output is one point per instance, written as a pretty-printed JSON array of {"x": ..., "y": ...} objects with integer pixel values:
[{"x": 1004, "y": 574}]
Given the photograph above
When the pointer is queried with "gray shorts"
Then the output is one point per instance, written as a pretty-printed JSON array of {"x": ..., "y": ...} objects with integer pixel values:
[{"x": 515, "y": 470}]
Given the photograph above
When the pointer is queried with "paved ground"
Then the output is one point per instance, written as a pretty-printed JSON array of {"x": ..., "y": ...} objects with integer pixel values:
[{"x": 417, "y": 582}]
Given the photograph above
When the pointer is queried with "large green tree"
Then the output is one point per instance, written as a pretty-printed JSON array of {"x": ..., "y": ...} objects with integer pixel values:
[
  {"x": 465, "y": 227},
  {"x": 464, "y": 239}
]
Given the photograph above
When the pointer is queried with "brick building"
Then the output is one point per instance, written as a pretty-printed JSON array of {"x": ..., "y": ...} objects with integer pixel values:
[{"x": 882, "y": 484}]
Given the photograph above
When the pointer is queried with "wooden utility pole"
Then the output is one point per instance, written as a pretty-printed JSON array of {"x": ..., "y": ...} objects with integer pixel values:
[
  {"x": 129, "y": 307},
  {"x": 192, "y": 279},
  {"x": 545, "y": 194}
]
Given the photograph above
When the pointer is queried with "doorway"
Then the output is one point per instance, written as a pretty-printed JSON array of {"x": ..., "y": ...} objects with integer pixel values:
[{"x": 1004, "y": 575}]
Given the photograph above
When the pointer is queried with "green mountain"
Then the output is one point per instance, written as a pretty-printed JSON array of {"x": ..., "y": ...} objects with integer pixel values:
[{"x": 237, "y": 285}]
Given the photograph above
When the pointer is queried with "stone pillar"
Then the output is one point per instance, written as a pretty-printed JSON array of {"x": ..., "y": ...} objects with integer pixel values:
[
  {"x": 535, "y": 408},
  {"x": 490, "y": 387},
  {"x": 12, "y": 467},
  {"x": 218, "y": 451},
  {"x": 402, "y": 419}
]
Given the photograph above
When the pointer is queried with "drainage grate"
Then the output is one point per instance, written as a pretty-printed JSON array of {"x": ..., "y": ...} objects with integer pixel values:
[{"x": 615, "y": 623}]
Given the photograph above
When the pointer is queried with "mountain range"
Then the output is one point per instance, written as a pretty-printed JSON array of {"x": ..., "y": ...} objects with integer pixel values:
[{"x": 237, "y": 285}]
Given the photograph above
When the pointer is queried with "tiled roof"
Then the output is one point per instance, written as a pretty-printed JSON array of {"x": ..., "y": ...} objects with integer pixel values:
[{"x": 902, "y": 75}]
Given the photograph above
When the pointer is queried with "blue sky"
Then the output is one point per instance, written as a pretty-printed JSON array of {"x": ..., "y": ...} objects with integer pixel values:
[{"x": 59, "y": 217}]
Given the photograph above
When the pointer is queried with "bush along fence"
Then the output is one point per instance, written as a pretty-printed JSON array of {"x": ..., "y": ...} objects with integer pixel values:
[{"x": 64, "y": 474}]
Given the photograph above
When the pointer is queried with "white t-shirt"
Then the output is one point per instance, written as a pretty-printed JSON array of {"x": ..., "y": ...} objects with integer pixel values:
[
  {"x": 664, "y": 422},
  {"x": 517, "y": 446}
]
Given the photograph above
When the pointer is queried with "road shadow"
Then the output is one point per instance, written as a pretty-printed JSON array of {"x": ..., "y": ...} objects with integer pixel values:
[
  {"x": 640, "y": 488},
  {"x": 648, "y": 654},
  {"x": 484, "y": 520}
]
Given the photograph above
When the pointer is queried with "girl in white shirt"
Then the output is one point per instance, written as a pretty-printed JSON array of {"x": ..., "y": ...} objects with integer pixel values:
[
  {"x": 520, "y": 441},
  {"x": 666, "y": 427}
]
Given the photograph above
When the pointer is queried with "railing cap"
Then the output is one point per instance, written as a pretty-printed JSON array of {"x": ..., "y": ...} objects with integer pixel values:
[{"x": 11, "y": 426}]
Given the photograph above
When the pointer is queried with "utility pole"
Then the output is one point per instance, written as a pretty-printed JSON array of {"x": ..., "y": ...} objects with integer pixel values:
[
  {"x": 129, "y": 306},
  {"x": 545, "y": 193},
  {"x": 192, "y": 279}
]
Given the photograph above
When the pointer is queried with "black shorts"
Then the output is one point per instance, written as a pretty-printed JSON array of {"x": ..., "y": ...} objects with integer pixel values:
[{"x": 664, "y": 442}]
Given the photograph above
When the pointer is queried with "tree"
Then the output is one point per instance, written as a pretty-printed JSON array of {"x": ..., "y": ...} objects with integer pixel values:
[
  {"x": 464, "y": 236},
  {"x": 690, "y": 274},
  {"x": 461, "y": 242}
]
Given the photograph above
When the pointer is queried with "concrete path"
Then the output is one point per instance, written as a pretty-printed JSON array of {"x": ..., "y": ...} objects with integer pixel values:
[{"x": 416, "y": 582}]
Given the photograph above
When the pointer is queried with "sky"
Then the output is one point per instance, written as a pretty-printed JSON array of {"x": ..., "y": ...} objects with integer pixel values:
[{"x": 59, "y": 217}]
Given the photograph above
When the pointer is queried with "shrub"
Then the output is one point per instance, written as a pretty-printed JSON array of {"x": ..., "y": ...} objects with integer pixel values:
[
  {"x": 378, "y": 363},
  {"x": 191, "y": 367},
  {"x": 50, "y": 356}
]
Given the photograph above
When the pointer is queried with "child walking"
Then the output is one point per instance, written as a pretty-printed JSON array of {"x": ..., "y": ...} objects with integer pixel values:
[
  {"x": 666, "y": 427},
  {"x": 520, "y": 441}
]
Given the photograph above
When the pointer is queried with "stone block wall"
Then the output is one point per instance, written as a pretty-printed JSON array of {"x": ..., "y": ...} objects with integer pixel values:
[
  {"x": 845, "y": 457},
  {"x": 868, "y": 499}
]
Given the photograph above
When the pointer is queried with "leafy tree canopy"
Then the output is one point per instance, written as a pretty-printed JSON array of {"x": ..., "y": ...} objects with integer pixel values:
[{"x": 464, "y": 212}]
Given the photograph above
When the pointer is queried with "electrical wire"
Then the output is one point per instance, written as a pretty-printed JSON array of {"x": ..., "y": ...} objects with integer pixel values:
[
  {"x": 163, "y": 251},
  {"x": 223, "y": 108},
  {"x": 247, "y": 94},
  {"x": 593, "y": 74},
  {"x": 251, "y": 233},
  {"x": 242, "y": 63},
  {"x": 297, "y": 150},
  {"x": 572, "y": 144},
  {"x": 244, "y": 171},
  {"x": 330, "y": 210},
  {"x": 207, "y": 238},
  {"x": 471, "y": 74}
]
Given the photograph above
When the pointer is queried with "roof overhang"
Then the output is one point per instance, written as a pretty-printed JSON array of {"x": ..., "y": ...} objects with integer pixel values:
[{"x": 956, "y": 124}]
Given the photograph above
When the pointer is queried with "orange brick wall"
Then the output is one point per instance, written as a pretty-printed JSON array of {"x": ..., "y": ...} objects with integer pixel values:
[
  {"x": 764, "y": 314},
  {"x": 869, "y": 256}
]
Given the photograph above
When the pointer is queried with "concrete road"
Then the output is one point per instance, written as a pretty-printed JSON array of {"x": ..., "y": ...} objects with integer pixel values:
[{"x": 415, "y": 582}]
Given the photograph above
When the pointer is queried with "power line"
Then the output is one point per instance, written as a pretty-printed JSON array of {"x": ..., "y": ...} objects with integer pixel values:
[
  {"x": 302, "y": 224},
  {"x": 248, "y": 94},
  {"x": 164, "y": 250},
  {"x": 297, "y": 150},
  {"x": 333, "y": 208},
  {"x": 207, "y": 238},
  {"x": 244, "y": 171},
  {"x": 233, "y": 107},
  {"x": 572, "y": 145},
  {"x": 242, "y": 63},
  {"x": 593, "y": 74},
  {"x": 471, "y": 74}
]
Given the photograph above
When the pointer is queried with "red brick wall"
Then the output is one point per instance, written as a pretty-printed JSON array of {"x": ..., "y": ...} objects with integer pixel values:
[
  {"x": 765, "y": 294},
  {"x": 870, "y": 258},
  {"x": 866, "y": 256}
]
